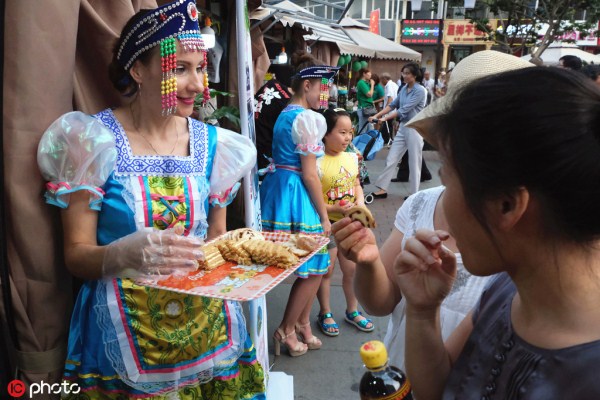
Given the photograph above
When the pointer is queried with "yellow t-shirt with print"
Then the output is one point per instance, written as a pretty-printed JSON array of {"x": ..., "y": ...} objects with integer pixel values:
[{"x": 338, "y": 176}]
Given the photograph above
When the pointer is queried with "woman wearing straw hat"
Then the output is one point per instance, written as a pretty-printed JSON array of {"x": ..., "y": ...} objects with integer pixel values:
[{"x": 521, "y": 202}]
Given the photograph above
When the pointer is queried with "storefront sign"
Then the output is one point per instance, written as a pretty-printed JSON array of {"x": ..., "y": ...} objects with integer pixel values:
[
  {"x": 421, "y": 31},
  {"x": 577, "y": 37},
  {"x": 374, "y": 21},
  {"x": 461, "y": 31}
]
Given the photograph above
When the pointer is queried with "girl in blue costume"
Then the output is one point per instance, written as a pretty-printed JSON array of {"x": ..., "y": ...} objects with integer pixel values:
[
  {"x": 291, "y": 198},
  {"x": 141, "y": 186}
]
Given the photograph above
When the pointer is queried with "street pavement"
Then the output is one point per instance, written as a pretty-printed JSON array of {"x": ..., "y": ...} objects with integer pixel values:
[{"x": 335, "y": 370}]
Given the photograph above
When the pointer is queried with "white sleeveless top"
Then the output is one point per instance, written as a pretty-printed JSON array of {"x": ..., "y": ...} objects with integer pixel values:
[{"x": 417, "y": 213}]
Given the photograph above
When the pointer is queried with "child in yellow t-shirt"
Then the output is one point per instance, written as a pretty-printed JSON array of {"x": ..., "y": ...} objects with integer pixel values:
[{"x": 338, "y": 171}]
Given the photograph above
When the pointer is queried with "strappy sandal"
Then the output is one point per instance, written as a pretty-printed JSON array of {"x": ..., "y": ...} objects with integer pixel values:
[
  {"x": 360, "y": 325},
  {"x": 298, "y": 350},
  {"x": 314, "y": 343},
  {"x": 325, "y": 327}
]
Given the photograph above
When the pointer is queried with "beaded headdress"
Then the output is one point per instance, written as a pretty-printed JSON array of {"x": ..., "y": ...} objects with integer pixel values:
[
  {"x": 326, "y": 74},
  {"x": 176, "y": 20}
]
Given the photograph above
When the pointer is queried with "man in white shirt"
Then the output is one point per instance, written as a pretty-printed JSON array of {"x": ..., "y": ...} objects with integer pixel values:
[
  {"x": 429, "y": 84},
  {"x": 390, "y": 93}
]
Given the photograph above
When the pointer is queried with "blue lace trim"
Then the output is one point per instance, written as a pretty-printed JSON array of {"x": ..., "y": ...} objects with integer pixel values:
[{"x": 129, "y": 164}]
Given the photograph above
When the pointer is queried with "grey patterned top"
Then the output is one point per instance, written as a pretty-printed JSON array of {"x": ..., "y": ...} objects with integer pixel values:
[{"x": 497, "y": 364}]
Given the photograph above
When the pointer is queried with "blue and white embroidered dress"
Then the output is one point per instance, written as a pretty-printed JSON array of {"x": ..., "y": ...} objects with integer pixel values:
[
  {"x": 285, "y": 202},
  {"x": 130, "y": 341}
]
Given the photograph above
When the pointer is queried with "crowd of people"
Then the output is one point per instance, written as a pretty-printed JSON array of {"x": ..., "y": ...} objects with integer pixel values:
[{"x": 490, "y": 280}]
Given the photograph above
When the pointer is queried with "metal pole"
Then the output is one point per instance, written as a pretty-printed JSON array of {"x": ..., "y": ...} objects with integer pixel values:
[
  {"x": 258, "y": 309},
  {"x": 345, "y": 10}
]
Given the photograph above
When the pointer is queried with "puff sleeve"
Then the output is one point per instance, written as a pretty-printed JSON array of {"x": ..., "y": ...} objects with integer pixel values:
[
  {"x": 235, "y": 156},
  {"x": 308, "y": 130},
  {"x": 76, "y": 153}
]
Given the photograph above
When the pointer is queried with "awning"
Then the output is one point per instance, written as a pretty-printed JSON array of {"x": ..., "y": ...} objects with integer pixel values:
[
  {"x": 556, "y": 50},
  {"x": 351, "y": 36},
  {"x": 289, "y": 14},
  {"x": 384, "y": 48}
]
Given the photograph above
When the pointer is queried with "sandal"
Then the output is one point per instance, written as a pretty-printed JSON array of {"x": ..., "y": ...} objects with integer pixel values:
[
  {"x": 360, "y": 325},
  {"x": 295, "y": 351},
  {"x": 314, "y": 343},
  {"x": 325, "y": 327}
]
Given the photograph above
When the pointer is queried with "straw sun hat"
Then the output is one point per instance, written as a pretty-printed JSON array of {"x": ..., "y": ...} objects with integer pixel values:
[{"x": 477, "y": 65}]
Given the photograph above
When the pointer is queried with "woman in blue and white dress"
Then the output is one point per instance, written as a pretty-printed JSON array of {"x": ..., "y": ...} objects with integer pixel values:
[
  {"x": 291, "y": 197},
  {"x": 140, "y": 187}
]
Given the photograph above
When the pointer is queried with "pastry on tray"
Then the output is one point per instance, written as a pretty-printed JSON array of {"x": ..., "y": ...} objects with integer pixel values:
[
  {"x": 212, "y": 258},
  {"x": 246, "y": 246}
]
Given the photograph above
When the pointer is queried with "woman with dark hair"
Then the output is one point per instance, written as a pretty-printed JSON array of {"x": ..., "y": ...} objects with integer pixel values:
[
  {"x": 592, "y": 71},
  {"x": 410, "y": 101},
  {"x": 365, "y": 88},
  {"x": 291, "y": 197},
  {"x": 570, "y": 62},
  {"x": 378, "y": 92},
  {"x": 141, "y": 187},
  {"x": 521, "y": 201}
]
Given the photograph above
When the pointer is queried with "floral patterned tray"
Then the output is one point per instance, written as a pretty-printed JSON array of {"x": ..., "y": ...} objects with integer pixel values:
[{"x": 230, "y": 281}]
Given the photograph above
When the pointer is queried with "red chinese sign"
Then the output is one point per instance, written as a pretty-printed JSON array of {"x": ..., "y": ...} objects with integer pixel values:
[
  {"x": 463, "y": 31},
  {"x": 374, "y": 21}
]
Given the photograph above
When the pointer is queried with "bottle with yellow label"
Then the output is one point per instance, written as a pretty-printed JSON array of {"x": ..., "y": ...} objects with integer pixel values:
[{"x": 381, "y": 381}]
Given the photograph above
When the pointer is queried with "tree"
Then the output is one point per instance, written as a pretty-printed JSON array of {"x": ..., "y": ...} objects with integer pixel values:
[{"x": 523, "y": 22}]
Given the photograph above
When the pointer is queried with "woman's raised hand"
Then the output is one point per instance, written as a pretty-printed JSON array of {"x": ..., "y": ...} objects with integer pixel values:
[
  {"x": 151, "y": 252},
  {"x": 355, "y": 242},
  {"x": 425, "y": 270}
]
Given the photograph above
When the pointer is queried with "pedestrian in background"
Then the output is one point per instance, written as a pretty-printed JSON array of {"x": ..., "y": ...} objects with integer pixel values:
[
  {"x": 411, "y": 100},
  {"x": 365, "y": 89},
  {"x": 270, "y": 99},
  {"x": 570, "y": 62},
  {"x": 378, "y": 93},
  {"x": 333, "y": 96},
  {"x": 390, "y": 93},
  {"x": 429, "y": 85},
  {"x": 440, "y": 86},
  {"x": 592, "y": 71}
]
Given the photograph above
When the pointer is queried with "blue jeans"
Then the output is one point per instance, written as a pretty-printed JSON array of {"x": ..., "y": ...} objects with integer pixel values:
[{"x": 362, "y": 120}]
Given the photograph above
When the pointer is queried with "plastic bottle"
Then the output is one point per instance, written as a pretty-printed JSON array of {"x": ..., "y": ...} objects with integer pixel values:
[{"x": 381, "y": 381}]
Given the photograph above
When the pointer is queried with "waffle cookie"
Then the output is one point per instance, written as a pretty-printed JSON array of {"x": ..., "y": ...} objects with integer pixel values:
[
  {"x": 233, "y": 250},
  {"x": 269, "y": 253},
  {"x": 212, "y": 258}
]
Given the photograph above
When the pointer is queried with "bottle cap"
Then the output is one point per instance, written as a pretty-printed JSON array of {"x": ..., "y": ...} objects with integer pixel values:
[{"x": 374, "y": 354}]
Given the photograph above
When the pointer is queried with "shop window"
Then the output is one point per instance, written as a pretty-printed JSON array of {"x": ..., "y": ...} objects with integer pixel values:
[
  {"x": 355, "y": 10},
  {"x": 427, "y": 7}
]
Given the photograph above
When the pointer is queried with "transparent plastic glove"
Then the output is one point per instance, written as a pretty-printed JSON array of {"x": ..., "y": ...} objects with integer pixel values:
[{"x": 151, "y": 252}]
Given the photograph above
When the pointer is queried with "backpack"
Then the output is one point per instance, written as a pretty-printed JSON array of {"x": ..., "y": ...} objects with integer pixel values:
[{"x": 369, "y": 143}]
